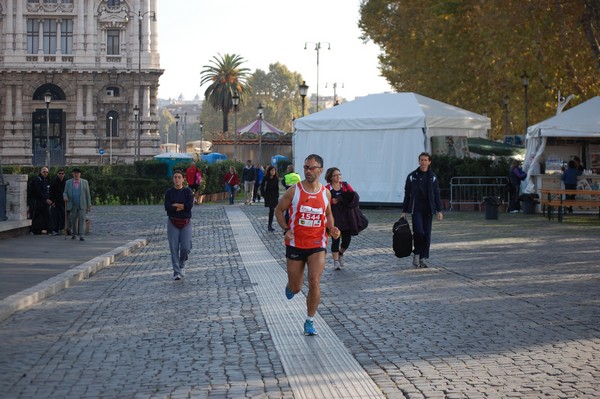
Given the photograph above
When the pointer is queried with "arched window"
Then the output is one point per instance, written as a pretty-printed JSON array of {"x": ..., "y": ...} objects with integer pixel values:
[
  {"x": 57, "y": 93},
  {"x": 112, "y": 124}
]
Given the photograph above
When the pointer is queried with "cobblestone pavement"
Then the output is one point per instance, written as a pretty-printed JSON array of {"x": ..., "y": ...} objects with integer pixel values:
[{"x": 510, "y": 308}]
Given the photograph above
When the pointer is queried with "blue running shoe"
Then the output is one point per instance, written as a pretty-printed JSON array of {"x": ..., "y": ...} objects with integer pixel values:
[
  {"x": 288, "y": 294},
  {"x": 309, "y": 329}
]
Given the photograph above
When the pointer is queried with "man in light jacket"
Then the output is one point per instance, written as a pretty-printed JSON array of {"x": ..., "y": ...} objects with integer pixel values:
[{"x": 79, "y": 202}]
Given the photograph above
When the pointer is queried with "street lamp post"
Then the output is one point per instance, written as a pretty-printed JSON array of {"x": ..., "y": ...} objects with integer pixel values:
[
  {"x": 335, "y": 100},
  {"x": 505, "y": 102},
  {"x": 525, "y": 81},
  {"x": 318, "y": 48},
  {"x": 185, "y": 132},
  {"x": 141, "y": 16},
  {"x": 177, "y": 117},
  {"x": 201, "y": 139},
  {"x": 47, "y": 100},
  {"x": 303, "y": 91},
  {"x": 260, "y": 117},
  {"x": 136, "y": 114},
  {"x": 235, "y": 100},
  {"x": 110, "y": 132}
]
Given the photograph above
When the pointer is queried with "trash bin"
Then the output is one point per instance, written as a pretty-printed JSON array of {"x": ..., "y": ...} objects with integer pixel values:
[
  {"x": 491, "y": 207},
  {"x": 528, "y": 203}
]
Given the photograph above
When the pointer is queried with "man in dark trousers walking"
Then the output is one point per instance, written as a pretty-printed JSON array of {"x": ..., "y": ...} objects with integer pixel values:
[{"x": 422, "y": 200}]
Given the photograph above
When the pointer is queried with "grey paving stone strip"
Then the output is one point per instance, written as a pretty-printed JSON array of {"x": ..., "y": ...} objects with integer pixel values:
[
  {"x": 317, "y": 367},
  {"x": 38, "y": 292}
]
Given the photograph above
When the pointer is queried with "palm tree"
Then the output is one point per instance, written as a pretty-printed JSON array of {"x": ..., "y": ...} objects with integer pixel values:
[{"x": 227, "y": 78}]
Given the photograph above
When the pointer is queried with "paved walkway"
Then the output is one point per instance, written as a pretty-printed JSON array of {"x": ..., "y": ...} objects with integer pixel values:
[{"x": 511, "y": 308}]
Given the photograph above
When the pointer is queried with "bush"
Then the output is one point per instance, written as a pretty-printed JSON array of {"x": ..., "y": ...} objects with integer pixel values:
[
  {"x": 446, "y": 168},
  {"x": 146, "y": 181}
]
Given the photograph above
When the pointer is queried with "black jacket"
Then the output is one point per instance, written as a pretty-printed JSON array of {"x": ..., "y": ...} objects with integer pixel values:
[
  {"x": 412, "y": 186},
  {"x": 57, "y": 188},
  {"x": 269, "y": 189},
  {"x": 41, "y": 188},
  {"x": 248, "y": 174}
]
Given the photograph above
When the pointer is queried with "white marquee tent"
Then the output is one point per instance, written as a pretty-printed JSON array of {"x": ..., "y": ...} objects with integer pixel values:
[
  {"x": 376, "y": 140},
  {"x": 581, "y": 121}
]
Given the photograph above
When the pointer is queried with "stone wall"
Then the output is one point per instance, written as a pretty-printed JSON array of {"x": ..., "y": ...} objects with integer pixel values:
[{"x": 16, "y": 201}]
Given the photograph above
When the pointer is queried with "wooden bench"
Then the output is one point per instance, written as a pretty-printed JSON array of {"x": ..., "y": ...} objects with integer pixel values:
[{"x": 557, "y": 198}]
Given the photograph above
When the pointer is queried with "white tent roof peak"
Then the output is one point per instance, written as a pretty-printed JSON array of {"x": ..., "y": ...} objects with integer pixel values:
[
  {"x": 582, "y": 120},
  {"x": 393, "y": 111}
]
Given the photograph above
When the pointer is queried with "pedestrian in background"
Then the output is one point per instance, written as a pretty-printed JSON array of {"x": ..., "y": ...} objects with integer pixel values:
[
  {"x": 57, "y": 209},
  {"x": 343, "y": 200},
  {"x": 422, "y": 200},
  {"x": 569, "y": 178},
  {"x": 248, "y": 178},
  {"x": 260, "y": 174},
  {"x": 232, "y": 182},
  {"x": 41, "y": 205},
  {"x": 78, "y": 202},
  {"x": 193, "y": 177},
  {"x": 269, "y": 189},
  {"x": 515, "y": 176},
  {"x": 306, "y": 235},
  {"x": 578, "y": 165},
  {"x": 290, "y": 177},
  {"x": 179, "y": 201}
]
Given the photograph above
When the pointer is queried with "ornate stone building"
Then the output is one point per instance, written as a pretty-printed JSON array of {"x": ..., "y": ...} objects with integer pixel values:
[{"x": 88, "y": 70}]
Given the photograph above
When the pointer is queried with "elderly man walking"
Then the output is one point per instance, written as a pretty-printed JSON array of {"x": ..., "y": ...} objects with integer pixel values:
[{"x": 79, "y": 202}]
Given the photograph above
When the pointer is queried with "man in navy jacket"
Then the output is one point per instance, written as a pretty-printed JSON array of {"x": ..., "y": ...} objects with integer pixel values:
[{"x": 422, "y": 200}]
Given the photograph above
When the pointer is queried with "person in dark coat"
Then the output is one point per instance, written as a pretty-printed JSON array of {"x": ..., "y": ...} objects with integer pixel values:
[
  {"x": 515, "y": 176},
  {"x": 269, "y": 189},
  {"x": 422, "y": 200},
  {"x": 343, "y": 201},
  {"x": 41, "y": 207},
  {"x": 57, "y": 210},
  {"x": 569, "y": 178}
]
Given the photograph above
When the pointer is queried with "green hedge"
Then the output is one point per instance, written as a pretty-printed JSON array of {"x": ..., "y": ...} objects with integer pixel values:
[
  {"x": 146, "y": 181},
  {"x": 143, "y": 183}
]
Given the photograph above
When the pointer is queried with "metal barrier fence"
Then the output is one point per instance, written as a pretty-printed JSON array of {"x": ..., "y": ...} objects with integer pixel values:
[{"x": 471, "y": 190}]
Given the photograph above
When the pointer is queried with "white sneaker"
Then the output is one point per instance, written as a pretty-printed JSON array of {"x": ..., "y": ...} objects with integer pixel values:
[
  {"x": 416, "y": 262},
  {"x": 514, "y": 211},
  {"x": 423, "y": 264},
  {"x": 337, "y": 265},
  {"x": 341, "y": 258}
]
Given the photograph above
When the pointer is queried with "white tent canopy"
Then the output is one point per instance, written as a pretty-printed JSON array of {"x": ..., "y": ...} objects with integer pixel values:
[
  {"x": 581, "y": 121},
  {"x": 375, "y": 140}
]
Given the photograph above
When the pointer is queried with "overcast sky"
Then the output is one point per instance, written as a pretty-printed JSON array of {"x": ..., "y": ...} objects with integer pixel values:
[{"x": 264, "y": 32}]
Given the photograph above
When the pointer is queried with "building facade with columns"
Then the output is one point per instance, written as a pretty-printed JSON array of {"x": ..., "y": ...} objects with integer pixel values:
[{"x": 78, "y": 81}]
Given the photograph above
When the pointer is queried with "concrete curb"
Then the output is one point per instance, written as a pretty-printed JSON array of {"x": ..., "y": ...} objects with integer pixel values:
[{"x": 45, "y": 289}]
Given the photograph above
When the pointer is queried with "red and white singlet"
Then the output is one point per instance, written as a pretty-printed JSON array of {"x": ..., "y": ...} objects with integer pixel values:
[{"x": 308, "y": 218}]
